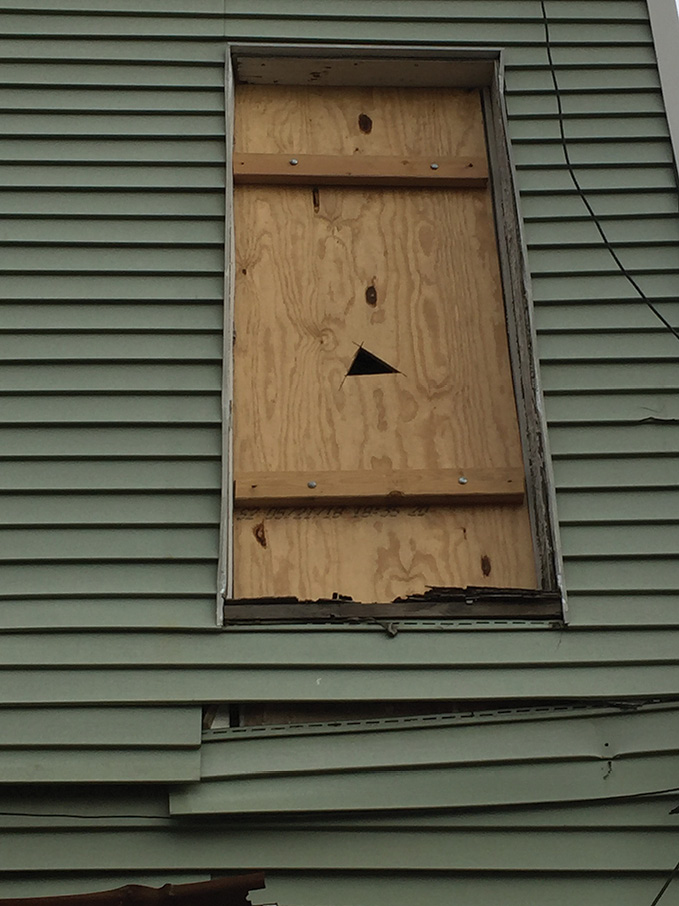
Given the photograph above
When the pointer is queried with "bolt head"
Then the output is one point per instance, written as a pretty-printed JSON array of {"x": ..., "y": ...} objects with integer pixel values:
[
  {"x": 434, "y": 166},
  {"x": 462, "y": 480},
  {"x": 311, "y": 484},
  {"x": 293, "y": 161}
]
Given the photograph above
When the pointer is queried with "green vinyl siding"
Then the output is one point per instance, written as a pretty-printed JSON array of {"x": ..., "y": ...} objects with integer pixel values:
[
  {"x": 111, "y": 249},
  {"x": 112, "y": 252},
  {"x": 607, "y": 852},
  {"x": 99, "y": 744},
  {"x": 492, "y": 759},
  {"x": 111, "y": 333},
  {"x": 472, "y": 662}
]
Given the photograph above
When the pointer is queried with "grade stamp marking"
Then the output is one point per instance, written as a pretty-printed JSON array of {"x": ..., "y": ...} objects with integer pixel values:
[{"x": 360, "y": 512}]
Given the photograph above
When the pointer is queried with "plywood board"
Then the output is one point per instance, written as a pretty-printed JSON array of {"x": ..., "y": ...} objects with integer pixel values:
[
  {"x": 325, "y": 120},
  {"x": 396, "y": 487},
  {"x": 379, "y": 553},
  {"x": 326, "y": 276},
  {"x": 408, "y": 276}
]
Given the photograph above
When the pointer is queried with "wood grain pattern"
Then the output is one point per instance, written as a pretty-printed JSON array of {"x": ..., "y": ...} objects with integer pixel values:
[
  {"x": 314, "y": 120},
  {"x": 437, "y": 319},
  {"x": 411, "y": 276},
  {"x": 360, "y": 487},
  {"x": 376, "y": 554},
  {"x": 359, "y": 170}
]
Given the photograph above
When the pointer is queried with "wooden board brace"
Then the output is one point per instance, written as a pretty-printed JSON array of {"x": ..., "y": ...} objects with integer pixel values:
[
  {"x": 369, "y": 486},
  {"x": 360, "y": 170}
]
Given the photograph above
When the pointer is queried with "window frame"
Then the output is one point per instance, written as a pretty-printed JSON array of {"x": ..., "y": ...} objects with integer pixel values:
[{"x": 432, "y": 66}]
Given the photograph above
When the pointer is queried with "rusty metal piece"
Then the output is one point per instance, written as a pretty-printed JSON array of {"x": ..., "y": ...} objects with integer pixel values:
[{"x": 231, "y": 891}]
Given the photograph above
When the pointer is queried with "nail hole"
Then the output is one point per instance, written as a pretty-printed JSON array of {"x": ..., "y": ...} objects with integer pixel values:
[
  {"x": 371, "y": 295},
  {"x": 365, "y": 124}
]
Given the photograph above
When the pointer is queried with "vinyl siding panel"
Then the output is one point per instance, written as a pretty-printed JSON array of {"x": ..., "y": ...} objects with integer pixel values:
[
  {"x": 594, "y": 850},
  {"x": 490, "y": 759},
  {"x": 111, "y": 332},
  {"x": 99, "y": 745},
  {"x": 475, "y": 661},
  {"x": 61, "y": 765},
  {"x": 529, "y": 851}
]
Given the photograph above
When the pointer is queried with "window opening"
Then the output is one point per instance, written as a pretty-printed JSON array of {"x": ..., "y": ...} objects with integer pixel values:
[{"x": 414, "y": 484}]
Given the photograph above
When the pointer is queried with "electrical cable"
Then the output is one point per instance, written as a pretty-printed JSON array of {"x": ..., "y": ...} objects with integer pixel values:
[
  {"x": 626, "y": 797},
  {"x": 583, "y": 197},
  {"x": 667, "y": 883}
]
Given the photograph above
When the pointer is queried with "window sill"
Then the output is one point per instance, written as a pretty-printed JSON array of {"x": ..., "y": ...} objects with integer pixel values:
[{"x": 435, "y": 604}]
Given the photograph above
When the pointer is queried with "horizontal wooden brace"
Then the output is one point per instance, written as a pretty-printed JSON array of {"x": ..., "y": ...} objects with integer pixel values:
[
  {"x": 386, "y": 488},
  {"x": 360, "y": 170}
]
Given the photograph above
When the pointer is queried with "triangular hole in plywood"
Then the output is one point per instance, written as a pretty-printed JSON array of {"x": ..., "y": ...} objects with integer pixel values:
[{"x": 366, "y": 363}]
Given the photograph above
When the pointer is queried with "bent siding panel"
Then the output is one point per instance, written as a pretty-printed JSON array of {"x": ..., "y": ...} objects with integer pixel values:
[{"x": 488, "y": 759}]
